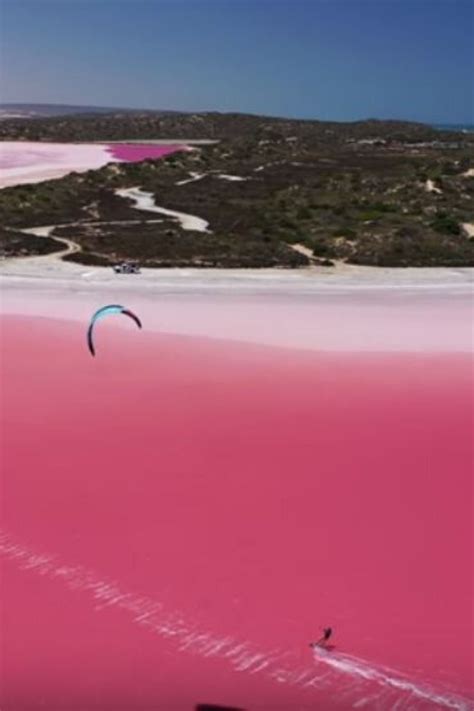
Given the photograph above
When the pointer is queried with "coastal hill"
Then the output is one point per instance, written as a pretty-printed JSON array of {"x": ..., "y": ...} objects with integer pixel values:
[
  {"x": 92, "y": 124},
  {"x": 274, "y": 192},
  {"x": 37, "y": 111}
]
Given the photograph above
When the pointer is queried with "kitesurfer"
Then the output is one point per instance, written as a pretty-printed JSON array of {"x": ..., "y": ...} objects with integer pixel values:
[{"x": 327, "y": 633}]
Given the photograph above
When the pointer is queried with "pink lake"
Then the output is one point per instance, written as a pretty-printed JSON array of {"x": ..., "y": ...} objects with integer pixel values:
[
  {"x": 181, "y": 515},
  {"x": 133, "y": 152},
  {"x": 24, "y": 162}
]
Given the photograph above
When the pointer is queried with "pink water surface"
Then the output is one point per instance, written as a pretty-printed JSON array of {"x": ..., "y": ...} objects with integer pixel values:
[
  {"x": 23, "y": 162},
  {"x": 232, "y": 495},
  {"x": 133, "y": 152},
  {"x": 26, "y": 156}
]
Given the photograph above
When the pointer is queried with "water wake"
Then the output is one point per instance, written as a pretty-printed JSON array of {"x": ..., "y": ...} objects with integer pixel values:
[
  {"x": 389, "y": 679},
  {"x": 351, "y": 680}
]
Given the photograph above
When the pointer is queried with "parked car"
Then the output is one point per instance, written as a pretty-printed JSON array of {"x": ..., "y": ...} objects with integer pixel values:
[{"x": 127, "y": 268}]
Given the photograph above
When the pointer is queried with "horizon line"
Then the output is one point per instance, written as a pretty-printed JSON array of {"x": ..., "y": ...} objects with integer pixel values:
[{"x": 105, "y": 108}]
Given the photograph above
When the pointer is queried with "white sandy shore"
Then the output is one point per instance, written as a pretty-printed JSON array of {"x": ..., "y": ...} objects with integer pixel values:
[
  {"x": 342, "y": 308},
  {"x": 349, "y": 308}
]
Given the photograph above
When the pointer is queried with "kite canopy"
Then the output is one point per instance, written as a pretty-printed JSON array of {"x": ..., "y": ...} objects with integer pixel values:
[{"x": 106, "y": 311}]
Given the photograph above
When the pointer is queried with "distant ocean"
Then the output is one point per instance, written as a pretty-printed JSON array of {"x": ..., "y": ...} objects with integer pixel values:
[{"x": 465, "y": 127}]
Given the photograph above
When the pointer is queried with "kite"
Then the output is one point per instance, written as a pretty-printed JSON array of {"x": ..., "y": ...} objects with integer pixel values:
[{"x": 106, "y": 311}]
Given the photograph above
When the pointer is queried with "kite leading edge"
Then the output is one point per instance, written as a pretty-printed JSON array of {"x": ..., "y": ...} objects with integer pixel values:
[{"x": 106, "y": 311}]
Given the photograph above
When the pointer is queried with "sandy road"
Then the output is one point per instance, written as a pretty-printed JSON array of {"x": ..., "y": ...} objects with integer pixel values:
[
  {"x": 143, "y": 201},
  {"x": 45, "y": 231}
]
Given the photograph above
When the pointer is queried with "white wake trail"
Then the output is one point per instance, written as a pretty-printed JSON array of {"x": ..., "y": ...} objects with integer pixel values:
[
  {"x": 346, "y": 677},
  {"x": 389, "y": 678}
]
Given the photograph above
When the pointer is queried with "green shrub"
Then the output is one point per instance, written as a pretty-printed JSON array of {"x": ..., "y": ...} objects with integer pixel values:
[
  {"x": 322, "y": 248},
  {"x": 304, "y": 213},
  {"x": 347, "y": 232},
  {"x": 369, "y": 215},
  {"x": 445, "y": 224}
]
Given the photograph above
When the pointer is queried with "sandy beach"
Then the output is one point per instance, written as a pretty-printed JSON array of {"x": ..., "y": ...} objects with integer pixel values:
[{"x": 358, "y": 308}]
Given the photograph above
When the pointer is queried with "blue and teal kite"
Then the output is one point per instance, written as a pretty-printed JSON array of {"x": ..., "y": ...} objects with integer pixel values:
[{"x": 106, "y": 311}]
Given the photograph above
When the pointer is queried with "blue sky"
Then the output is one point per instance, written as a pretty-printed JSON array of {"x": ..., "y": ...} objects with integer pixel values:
[{"x": 327, "y": 59}]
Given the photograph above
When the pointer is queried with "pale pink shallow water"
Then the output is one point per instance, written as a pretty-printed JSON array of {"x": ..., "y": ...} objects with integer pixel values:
[
  {"x": 23, "y": 162},
  {"x": 28, "y": 154},
  {"x": 232, "y": 494}
]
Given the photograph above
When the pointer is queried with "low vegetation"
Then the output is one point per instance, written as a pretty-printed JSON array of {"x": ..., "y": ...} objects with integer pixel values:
[
  {"x": 346, "y": 192},
  {"x": 14, "y": 244}
]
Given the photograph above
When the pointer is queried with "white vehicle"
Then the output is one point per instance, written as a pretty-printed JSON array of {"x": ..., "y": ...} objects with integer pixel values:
[{"x": 127, "y": 268}]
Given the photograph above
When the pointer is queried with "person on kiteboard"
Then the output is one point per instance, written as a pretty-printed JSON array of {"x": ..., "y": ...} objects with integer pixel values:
[{"x": 327, "y": 632}]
